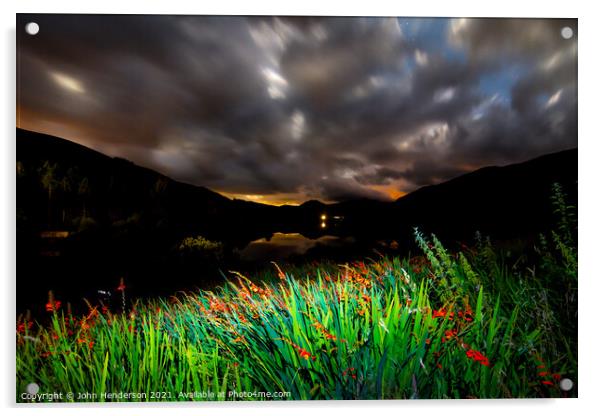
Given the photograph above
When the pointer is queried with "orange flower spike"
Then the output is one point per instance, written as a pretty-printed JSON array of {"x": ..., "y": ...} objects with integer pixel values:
[
  {"x": 93, "y": 313},
  {"x": 121, "y": 286},
  {"x": 84, "y": 325},
  {"x": 281, "y": 274}
]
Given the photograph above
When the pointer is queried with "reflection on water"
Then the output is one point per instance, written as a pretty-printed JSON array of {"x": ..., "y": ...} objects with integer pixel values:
[{"x": 281, "y": 246}]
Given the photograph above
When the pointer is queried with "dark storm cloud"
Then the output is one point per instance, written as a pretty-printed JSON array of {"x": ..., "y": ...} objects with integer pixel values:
[{"x": 330, "y": 108}]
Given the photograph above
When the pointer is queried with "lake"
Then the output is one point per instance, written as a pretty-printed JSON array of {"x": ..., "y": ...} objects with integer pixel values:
[{"x": 286, "y": 245}]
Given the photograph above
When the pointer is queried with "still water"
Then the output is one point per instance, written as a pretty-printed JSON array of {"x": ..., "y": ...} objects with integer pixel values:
[{"x": 282, "y": 246}]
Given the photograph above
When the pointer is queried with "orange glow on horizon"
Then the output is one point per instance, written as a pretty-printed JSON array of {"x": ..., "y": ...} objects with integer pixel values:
[
  {"x": 389, "y": 190},
  {"x": 275, "y": 200},
  {"x": 297, "y": 199}
]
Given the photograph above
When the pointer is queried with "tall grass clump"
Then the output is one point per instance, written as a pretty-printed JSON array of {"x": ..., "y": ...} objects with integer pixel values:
[{"x": 465, "y": 324}]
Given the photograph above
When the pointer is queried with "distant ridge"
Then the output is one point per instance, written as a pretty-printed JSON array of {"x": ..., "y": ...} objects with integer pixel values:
[{"x": 499, "y": 200}]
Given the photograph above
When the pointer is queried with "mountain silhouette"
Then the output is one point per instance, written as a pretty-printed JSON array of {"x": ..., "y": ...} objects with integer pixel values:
[{"x": 83, "y": 213}]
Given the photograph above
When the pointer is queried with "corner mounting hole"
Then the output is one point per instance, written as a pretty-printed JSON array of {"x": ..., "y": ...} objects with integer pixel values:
[
  {"x": 32, "y": 28},
  {"x": 566, "y": 32}
]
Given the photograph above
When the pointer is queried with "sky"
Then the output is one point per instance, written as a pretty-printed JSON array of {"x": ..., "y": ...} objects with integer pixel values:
[{"x": 287, "y": 109}]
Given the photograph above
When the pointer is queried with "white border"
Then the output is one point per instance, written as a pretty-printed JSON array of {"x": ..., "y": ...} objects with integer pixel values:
[{"x": 590, "y": 374}]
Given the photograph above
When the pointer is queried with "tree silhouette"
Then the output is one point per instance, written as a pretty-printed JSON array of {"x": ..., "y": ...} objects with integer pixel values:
[
  {"x": 83, "y": 191},
  {"x": 49, "y": 182},
  {"x": 66, "y": 185}
]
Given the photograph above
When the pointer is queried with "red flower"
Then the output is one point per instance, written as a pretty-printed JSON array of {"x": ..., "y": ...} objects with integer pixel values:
[
  {"x": 466, "y": 314},
  {"x": 478, "y": 357},
  {"x": 449, "y": 334},
  {"x": 53, "y": 306},
  {"x": 351, "y": 372},
  {"x": 305, "y": 354},
  {"x": 121, "y": 286},
  {"x": 440, "y": 313},
  {"x": 547, "y": 383},
  {"x": 556, "y": 376},
  {"x": 23, "y": 326}
]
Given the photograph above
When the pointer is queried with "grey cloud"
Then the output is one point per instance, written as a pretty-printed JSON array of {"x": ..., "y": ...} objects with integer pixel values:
[
  {"x": 499, "y": 39},
  {"x": 325, "y": 107}
]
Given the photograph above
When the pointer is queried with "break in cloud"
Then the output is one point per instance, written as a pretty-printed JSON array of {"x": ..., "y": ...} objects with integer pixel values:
[{"x": 289, "y": 109}]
